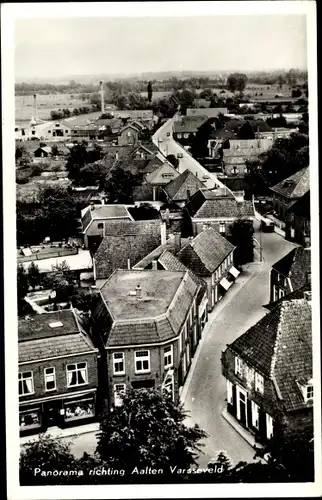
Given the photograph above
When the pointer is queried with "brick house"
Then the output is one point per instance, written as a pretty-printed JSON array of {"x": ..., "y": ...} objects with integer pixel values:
[
  {"x": 217, "y": 208},
  {"x": 268, "y": 371},
  {"x": 298, "y": 221},
  {"x": 124, "y": 244},
  {"x": 58, "y": 376},
  {"x": 186, "y": 127},
  {"x": 210, "y": 256},
  {"x": 93, "y": 218},
  {"x": 290, "y": 273},
  {"x": 146, "y": 323},
  {"x": 290, "y": 190},
  {"x": 129, "y": 135},
  {"x": 240, "y": 151},
  {"x": 182, "y": 187}
]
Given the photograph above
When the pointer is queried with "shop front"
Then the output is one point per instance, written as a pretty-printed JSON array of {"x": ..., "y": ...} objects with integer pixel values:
[{"x": 60, "y": 412}]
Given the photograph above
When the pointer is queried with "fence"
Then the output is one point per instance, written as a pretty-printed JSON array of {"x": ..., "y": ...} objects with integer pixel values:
[{"x": 48, "y": 255}]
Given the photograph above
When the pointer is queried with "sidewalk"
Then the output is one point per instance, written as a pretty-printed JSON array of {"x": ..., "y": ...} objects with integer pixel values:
[{"x": 57, "y": 432}]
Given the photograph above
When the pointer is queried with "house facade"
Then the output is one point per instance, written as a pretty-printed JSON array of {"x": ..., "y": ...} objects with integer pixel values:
[
  {"x": 129, "y": 135},
  {"x": 263, "y": 388},
  {"x": 58, "y": 376},
  {"x": 180, "y": 189},
  {"x": 50, "y": 130},
  {"x": 298, "y": 221},
  {"x": 290, "y": 273},
  {"x": 147, "y": 338},
  {"x": 186, "y": 127},
  {"x": 289, "y": 191}
]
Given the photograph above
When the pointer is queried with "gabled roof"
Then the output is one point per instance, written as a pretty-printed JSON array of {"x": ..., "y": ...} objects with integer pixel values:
[
  {"x": 204, "y": 254},
  {"x": 162, "y": 175},
  {"x": 104, "y": 212},
  {"x": 218, "y": 204},
  {"x": 132, "y": 125},
  {"x": 170, "y": 262},
  {"x": 302, "y": 207},
  {"x": 178, "y": 188},
  {"x": 295, "y": 265},
  {"x": 52, "y": 334},
  {"x": 133, "y": 227},
  {"x": 209, "y": 112},
  {"x": 295, "y": 186},
  {"x": 279, "y": 346},
  {"x": 158, "y": 315},
  {"x": 189, "y": 123},
  {"x": 47, "y": 149},
  {"x": 148, "y": 146}
]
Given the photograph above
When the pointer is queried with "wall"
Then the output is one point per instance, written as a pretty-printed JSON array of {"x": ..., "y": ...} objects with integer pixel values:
[
  {"x": 125, "y": 140},
  {"x": 281, "y": 285}
]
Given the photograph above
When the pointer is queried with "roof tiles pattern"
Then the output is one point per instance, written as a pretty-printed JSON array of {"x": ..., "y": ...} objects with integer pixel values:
[{"x": 295, "y": 186}]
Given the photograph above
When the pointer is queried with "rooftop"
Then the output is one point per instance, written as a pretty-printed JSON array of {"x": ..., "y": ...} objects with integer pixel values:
[
  {"x": 80, "y": 261},
  {"x": 52, "y": 334},
  {"x": 178, "y": 188},
  {"x": 279, "y": 346},
  {"x": 295, "y": 186},
  {"x": 218, "y": 204},
  {"x": 209, "y": 112},
  {"x": 295, "y": 265},
  {"x": 189, "y": 123},
  {"x": 104, "y": 212},
  {"x": 162, "y": 175}
]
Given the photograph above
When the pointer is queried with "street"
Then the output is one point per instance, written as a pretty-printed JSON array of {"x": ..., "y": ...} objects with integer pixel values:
[{"x": 205, "y": 394}]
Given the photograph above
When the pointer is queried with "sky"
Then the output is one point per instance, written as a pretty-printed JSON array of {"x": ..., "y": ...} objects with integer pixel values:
[{"x": 57, "y": 48}]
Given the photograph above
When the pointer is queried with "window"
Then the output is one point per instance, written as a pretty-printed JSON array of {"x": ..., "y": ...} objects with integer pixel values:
[
  {"x": 100, "y": 225},
  {"x": 50, "y": 379},
  {"x": 222, "y": 227},
  {"x": 179, "y": 136},
  {"x": 309, "y": 392},
  {"x": 259, "y": 383},
  {"x": 26, "y": 383},
  {"x": 76, "y": 374},
  {"x": 186, "y": 136},
  {"x": 49, "y": 131},
  {"x": 269, "y": 426},
  {"x": 118, "y": 363},
  {"x": 168, "y": 356},
  {"x": 119, "y": 391},
  {"x": 239, "y": 366},
  {"x": 255, "y": 415},
  {"x": 281, "y": 293},
  {"x": 229, "y": 392},
  {"x": 142, "y": 361}
]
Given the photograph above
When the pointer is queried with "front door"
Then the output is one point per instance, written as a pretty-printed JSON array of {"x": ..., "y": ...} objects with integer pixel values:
[
  {"x": 52, "y": 414},
  {"x": 242, "y": 406}
]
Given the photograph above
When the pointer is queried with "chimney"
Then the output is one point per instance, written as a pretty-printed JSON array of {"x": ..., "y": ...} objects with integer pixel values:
[
  {"x": 307, "y": 242},
  {"x": 138, "y": 291},
  {"x": 155, "y": 265},
  {"x": 128, "y": 263},
  {"x": 163, "y": 233},
  {"x": 167, "y": 217},
  {"x": 308, "y": 277},
  {"x": 35, "y": 107},
  {"x": 177, "y": 242},
  {"x": 116, "y": 155},
  {"x": 102, "y": 96},
  {"x": 308, "y": 296},
  {"x": 92, "y": 204},
  {"x": 188, "y": 194}
]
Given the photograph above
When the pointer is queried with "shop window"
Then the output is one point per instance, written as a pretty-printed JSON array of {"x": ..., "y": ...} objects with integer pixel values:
[
  {"x": 142, "y": 361},
  {"x": 30, "y": 419},
  {"x": 26, "y": 383},
  {"x": 168, "y": 356},
  {"x": 119, "y": 391},
  {"x": 259, "y": 383},
  {"x": 79, "y": 409},
  {"x": 118, "y": 363},
  {"x": 76, "y": 374},
  {"x": 50, "y": 379}
]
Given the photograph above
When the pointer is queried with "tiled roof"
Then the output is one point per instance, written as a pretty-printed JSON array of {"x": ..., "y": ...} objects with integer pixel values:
[
  {"x": 189, "y": 123},
  {"x": 158, "y": 315},
  {"x": 209, "y": 112},
  {"x": 295, "y": 186},
  {"x": 133, "y": 227},
  {"x": 114, "y": 252},
  {"x": 204, "y": 254},
  {"x": 171, "y": 263},
  {"x": 38, "y": 340},
  {"x": 295, "y": 265},
  {"x": 102, "y": 212},
  {"x": 47, "y": 149},
  {"x": 297, "y": 294},
  {"x": 162, "y": 175},
  {"x": 280, "y": 346},
  {"x": 187, "y": 181},
  {"x": 143, "y": 192},
  {"x": 207, "y": 204}
]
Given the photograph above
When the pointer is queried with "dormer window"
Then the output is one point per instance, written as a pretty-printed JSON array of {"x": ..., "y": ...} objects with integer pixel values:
[{"x": 309, "y": 392}]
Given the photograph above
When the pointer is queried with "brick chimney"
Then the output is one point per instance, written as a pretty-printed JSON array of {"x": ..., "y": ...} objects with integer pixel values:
[
  {"x": 177, "y": 242},
  {"x": 138, "y": 291},
  {"x": 167, "y": 217},
  {"x": 92, "y": 205},
  {"x": 155, "y": 265}
]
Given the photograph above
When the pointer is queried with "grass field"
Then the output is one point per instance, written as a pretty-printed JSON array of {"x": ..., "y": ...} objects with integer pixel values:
[{"x": 24, "y": 105}]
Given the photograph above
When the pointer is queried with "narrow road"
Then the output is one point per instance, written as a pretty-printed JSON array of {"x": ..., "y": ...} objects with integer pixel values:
[{"x": 205, "y": 395}]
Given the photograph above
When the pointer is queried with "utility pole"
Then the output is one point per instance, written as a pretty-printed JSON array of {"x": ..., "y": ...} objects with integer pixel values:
[{"x": 260, "y": 243}]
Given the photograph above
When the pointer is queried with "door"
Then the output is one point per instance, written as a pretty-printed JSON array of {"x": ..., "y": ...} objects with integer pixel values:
[
  {"x": 52, "y": 414},
  {"x": 242, "y": 406}
]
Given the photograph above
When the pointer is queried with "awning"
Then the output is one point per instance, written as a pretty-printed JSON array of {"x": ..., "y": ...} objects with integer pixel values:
[
  {"x": 234, "y": 272},
  {"x": 225, "y": 283}
]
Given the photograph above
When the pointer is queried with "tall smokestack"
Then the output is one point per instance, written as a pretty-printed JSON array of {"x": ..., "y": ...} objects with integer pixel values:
[
  {"x": 102, "y": 96},
  {"x": 35, "y": 107}
]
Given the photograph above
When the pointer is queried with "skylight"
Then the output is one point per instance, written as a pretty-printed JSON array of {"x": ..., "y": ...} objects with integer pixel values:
[{"x": 55, "y": 324}]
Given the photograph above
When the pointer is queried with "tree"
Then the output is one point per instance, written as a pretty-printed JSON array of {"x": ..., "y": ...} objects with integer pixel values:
[
  {"x": 145, "y": 211},
  {"x": 149, "y": 90},
  {"x": 45, "y": 454},
  {"x": 119, "y": 185},
  {"x": 246, "y": 131},
  {"x": 33, "y": 275},
  {"x": 206, "y": 94},
  {"x": 291, "y": 77},
  {"x": 296, "y": 93},
  {"x": 241, "y": 236},
  {"x": 199, "y": 146},
  {"x": 148, "y": 430},
  {"x": 237, "y": 81},
  {"x": 22, "y": 156},
  {"x": 22, "y": 283},
  {"x": 173, "y": 160}
]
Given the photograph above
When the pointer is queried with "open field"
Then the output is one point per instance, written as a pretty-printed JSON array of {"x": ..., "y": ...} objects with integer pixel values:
[{"x": 24, "y": 105}]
